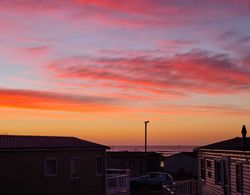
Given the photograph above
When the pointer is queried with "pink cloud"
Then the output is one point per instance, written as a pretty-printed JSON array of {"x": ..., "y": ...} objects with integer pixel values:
[
  {"x": 131, "y": 13},
  {"x": 38, "y": 50},
  {"x": 246, "y": 60},
  {"x": 196, "y": 71}
]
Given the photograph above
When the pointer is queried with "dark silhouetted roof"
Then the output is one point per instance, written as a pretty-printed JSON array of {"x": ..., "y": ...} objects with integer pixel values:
[
  {"x": 231, "y": 144},
  {"x": 187, "y": 154},
  {"x": 8, "y": 142},
  {"x": 133, "y": 154}
]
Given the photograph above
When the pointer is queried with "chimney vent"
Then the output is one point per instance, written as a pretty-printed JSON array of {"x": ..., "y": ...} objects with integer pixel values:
[{"x": 244, "y": 136}]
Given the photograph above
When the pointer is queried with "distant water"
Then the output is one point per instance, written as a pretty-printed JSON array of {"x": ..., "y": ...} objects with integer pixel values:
[{"x": 165, "y": 150}]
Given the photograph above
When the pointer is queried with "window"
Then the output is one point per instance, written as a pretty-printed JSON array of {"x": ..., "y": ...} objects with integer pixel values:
[
  {"x": 218, "y": 172},
  {"x": 239, "y": 180},
  {"x": 203, "y": 168},
  {"x": 209, "y": 168},
  {"x": 50, "y": 167},
  {"x": 74, "y": 168},
  {"x": 162, "y": 164},
  {"x": 99, "y": 166},
  {"x": 209, "y": 164}
]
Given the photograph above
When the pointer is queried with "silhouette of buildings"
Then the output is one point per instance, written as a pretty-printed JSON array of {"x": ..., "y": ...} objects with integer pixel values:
[
  {"x": 182, "y": 165},
  {"x": 51, "y": 165},
  {"x": 134, "y": 161},
  {"x": 224, "y": 167}
]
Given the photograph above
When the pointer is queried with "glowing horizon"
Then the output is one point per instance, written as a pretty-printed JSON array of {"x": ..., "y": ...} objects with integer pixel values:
[{"x": 98, "y": 69}]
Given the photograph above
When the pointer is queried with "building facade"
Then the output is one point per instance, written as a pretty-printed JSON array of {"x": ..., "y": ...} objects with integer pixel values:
[
  {"x": 51, "y": 165},
  {"x": 224, "y": 167}
]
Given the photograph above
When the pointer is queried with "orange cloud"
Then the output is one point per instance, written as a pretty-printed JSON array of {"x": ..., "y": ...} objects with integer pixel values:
[
  {"x": 65, "y": 106},
  {"x": 31, "y": 99}
]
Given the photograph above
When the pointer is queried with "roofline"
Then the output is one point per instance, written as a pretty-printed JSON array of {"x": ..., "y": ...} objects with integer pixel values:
[
  {"x": 44, "y": 136},
  {"x": 219, "y": 150},
  {"x": 98, "y": 146},
  {"x": 48, "y": 149},
  {"x": 134, "y": 152}
]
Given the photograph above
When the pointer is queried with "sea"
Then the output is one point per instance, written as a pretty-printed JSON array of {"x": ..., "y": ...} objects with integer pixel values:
[{"x": 164, "y": 149}]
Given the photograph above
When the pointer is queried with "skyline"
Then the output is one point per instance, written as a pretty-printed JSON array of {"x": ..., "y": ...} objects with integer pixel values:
[{"x": 98, "y": 69}]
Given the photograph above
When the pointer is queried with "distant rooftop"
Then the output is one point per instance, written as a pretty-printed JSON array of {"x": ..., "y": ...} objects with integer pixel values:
[
  {"x": 231, "y": 144},
  {"x": 9, "y": 142},
  {"x": 132, "y": 154},
  {"x": 188, "y": 154}
]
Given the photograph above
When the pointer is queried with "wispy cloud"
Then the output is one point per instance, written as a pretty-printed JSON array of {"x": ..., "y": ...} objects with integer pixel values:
[
  {"x": 48, "y": 102},
  {"x": 196, "y": 71},
  {"x": 36, "y": 50},
  {"x": 134, "y": 13},
  {"x": 30, "y": 99},
  {"x": 204, "y": 110}
]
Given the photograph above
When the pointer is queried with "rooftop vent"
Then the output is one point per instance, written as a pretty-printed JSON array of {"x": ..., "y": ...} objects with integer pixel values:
[{"x": 244, "y": 136}]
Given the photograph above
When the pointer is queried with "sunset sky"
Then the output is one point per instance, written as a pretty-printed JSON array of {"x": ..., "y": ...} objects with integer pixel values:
[{"x": 98, "y": 69}]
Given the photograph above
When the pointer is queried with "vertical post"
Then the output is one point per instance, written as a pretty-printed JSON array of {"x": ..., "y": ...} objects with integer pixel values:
[
  {"x": 145, "y": 158},
  {"x": 146, "y": 124}
]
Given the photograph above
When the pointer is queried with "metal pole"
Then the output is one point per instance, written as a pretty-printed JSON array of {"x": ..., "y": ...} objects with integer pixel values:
[
  {"x": 146, "y": 124},
  {"x": 145, "y": 158}
]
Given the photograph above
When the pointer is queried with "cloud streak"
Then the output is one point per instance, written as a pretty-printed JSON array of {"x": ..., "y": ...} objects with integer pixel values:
[
  {"x": 132, "y": 13},
  {"x": 31, "y": 99},
  {"x": 26, "y": 100},
  {"x": 208, "y": 110},
  {"x": 196, "y": 71}
]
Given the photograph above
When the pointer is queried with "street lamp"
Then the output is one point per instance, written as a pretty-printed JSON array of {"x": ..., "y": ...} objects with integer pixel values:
[
  {"x": 146, "y": 125},
  {"x": 145, "y": 158}
]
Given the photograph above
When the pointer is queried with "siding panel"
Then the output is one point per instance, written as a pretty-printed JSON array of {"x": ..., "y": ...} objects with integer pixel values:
[{"x": 208, "y": 186}]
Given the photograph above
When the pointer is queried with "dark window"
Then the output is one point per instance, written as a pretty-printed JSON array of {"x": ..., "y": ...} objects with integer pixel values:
[
  {"x": 99, "y": 166},
  {"x": 50, "y": 167},
  {"x": 209, "y": 164},
  {"x": 239, "y": 180},
  {"x": 209, "y": 168},
  {"x": 74, "y": 168},
  {"x": 218, "y": 172},
  {"x": 203, "y": 168}
]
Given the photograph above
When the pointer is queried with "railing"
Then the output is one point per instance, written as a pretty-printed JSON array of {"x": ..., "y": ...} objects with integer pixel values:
[
  {"x": 118, "y": 182},
  {"x": 186, "y": 187}
]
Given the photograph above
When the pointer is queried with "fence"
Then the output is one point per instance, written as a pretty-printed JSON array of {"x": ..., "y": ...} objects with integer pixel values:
[
  {"x": 118, "y": 182},
  {"x": 186, "y": 187}
]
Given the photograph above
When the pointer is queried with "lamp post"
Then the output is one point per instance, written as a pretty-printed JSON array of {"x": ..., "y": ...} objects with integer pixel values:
[
  {"x": 146, "y": 125},
  {"x": 145, "y": 158}
]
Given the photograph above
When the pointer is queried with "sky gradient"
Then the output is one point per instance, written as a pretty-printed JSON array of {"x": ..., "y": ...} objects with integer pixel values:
[{"x": 98, "y": 69}]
